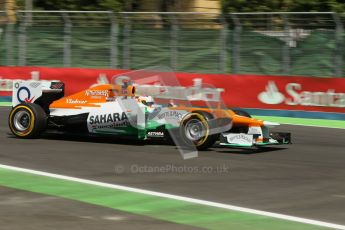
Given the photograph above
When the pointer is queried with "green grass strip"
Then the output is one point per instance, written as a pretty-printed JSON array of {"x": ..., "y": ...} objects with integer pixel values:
[
  {"x": 305, "y": 121},
  {"x": 5, "y": 103},
  {"x": 171, "y": 210}
]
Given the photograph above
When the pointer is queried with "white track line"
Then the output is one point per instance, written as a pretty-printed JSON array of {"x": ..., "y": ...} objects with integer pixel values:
[{"x": 180, "y": 198}]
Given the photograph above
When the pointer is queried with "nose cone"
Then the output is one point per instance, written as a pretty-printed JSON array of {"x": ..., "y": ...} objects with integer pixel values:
[{"x": 271, "y": 124}]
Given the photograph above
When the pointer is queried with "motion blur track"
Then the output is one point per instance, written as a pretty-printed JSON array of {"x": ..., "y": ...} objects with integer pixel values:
[{"x": 305, "y": 179}]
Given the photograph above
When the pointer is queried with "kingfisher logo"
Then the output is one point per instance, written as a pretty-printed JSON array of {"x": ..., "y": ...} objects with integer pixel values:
[
  {"x": 24, "y": 95},
  {"x": 294, "y": 95}
]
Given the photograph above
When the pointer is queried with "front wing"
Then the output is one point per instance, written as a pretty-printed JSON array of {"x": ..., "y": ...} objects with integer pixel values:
[{"x": 250, "y": 140}]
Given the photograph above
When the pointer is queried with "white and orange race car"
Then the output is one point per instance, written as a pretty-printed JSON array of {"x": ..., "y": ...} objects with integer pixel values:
[{"x": 116, "y": 110}]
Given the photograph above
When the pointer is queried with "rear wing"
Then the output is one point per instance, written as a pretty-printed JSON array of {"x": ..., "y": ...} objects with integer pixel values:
[{"x": 38, "y": 92}]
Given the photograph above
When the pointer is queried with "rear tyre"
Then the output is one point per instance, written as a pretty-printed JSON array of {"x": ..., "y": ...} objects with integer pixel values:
[{"x": 27, "y": 120}]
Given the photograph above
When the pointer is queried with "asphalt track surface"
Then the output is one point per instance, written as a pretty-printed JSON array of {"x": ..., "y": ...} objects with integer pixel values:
[{"x": 305, "y": 179}]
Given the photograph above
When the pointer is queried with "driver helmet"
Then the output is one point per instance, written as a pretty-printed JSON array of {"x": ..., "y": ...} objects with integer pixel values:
[{"x": 146, "y": 100}]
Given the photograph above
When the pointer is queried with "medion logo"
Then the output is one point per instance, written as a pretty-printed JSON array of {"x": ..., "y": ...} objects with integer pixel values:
[
  {"x": 108, "y": 118},
  {"x": 296, "y": 96}
]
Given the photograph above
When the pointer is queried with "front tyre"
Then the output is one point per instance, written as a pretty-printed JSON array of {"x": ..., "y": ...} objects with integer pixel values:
[
  {"x": 27, "y": 120},
  {"x": 195, "y": 130}
]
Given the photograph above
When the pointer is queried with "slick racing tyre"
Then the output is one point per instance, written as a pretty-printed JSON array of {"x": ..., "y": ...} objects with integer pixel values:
[
  {"x": 195, "y": 130},
  {"x": 27, "y": 120},
  {"x": 211, "y": 139}
]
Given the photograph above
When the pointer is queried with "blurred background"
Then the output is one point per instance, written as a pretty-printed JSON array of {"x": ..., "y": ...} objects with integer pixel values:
[{"x": 269, "y": 37}]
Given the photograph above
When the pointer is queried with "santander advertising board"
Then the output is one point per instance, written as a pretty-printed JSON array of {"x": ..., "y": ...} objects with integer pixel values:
[
  {"x": 295, "y": 95},
  {"x": 290, "y": 93}
]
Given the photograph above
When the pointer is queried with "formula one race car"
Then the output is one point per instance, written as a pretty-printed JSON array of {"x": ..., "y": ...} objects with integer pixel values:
[{"x": 116, "y": 110}]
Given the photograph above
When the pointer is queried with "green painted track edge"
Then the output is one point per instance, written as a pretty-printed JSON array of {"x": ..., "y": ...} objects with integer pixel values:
[
  {"x": 5, "y": 103},
  {"x": 180, "y": 212},
  {"x": 305, "y": 121}
]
